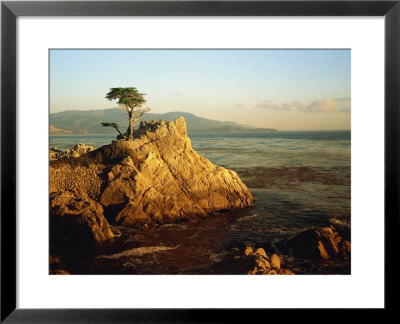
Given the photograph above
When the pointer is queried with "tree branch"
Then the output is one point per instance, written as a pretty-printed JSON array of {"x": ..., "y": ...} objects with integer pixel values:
[{"x": 141, "y": 113}]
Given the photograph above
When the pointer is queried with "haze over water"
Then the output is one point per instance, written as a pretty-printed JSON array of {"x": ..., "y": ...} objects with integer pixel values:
[{"x": 299, "y": 179}]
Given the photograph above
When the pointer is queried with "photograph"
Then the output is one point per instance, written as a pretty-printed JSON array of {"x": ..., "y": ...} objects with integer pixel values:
[{"x": 199, "y": 161}]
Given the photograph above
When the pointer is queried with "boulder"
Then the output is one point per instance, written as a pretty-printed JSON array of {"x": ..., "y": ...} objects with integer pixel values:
[
  {"x": 262, "y": 263},
  {"x": 78, "y": 218},
  {"x": 319, "y": 243},
  {"x": 261, "y": 251},
  {"x": 248, "y": 262},
  {"x": 344, "y": 250},
  {"x": 248, "y": 250},
  {"x": 159, "y": 178},
  {"x": 275, "y": 261}
]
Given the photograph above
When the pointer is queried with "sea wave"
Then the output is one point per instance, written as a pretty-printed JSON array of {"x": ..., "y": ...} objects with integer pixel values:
[
  {"x": 137, "y": 252},
  {"x": 340, "y": 221}
]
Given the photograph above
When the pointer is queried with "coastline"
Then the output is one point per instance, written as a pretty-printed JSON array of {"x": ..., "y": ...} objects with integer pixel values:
[{"x": 258, "y": 227}]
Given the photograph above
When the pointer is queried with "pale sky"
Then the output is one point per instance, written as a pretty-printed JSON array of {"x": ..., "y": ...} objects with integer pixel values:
[{"x": 283, "y": 89}]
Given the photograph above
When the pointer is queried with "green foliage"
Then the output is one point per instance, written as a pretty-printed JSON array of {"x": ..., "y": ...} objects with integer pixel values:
[
  {"x": 105, "y": 124},
  {"x": 132, "y": 100},
  {"x": 128, "y": 97}
]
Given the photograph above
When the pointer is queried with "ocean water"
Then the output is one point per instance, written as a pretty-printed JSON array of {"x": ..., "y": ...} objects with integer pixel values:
[{"x": 299, "y": 180}]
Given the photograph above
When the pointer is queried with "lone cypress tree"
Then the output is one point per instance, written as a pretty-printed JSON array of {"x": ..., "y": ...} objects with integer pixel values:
[{"x": 132, "y": 100}]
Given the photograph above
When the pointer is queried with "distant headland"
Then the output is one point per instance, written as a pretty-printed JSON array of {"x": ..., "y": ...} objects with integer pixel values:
[{"x": 88, "y": 122}]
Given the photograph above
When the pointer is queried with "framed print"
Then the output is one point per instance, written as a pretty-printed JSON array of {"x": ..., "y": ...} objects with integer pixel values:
[{"x": 160, "y": 157}]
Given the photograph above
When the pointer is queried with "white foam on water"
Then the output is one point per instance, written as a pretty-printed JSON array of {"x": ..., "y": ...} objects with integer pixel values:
[
  {"x": 137, "y": 252},
  {"x": 339, "y": 221},
  {"x": 247, "y": 217}
]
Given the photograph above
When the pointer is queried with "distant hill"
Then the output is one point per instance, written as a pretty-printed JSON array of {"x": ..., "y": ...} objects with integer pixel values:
[
  {"x": 57, "y": 131},
  {"x": 88, "y": 122}
]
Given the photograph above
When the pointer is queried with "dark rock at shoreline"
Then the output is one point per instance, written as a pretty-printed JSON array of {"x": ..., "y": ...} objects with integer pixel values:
[
  {"x": 319, "y": 243},
  {"x": 79, "y": 218},
  {"x": 55, "y": 266},
  {"x": 247, "y": 261}
]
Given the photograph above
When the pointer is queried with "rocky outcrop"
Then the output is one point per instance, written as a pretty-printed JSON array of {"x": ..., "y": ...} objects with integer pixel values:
[
  {"x": 76, "y": 151},
  {"x": 250, "y": 262},
  {"x": 55, "y": 153},
  {"x": 79, "y": 218},
  {"x": 55, "y": 266},
  {"x": 155, "y": 178},
  {"x": 160, "y": 178},
  {"x": 320, "y": 243},
  {"x": 79, "y": 179}
]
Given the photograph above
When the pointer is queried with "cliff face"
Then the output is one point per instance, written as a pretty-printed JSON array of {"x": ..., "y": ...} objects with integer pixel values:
[
  {"x": 78, "y": 218},
  {"x": 157, "y": 177},
  {"x": 161, "y": 178}
]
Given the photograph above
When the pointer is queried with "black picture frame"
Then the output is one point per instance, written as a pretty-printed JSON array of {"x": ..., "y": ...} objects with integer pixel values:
[{"x": 10, "y": 10}]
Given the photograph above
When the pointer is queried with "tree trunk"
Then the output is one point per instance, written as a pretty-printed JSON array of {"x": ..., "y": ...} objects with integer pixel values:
[
  {"x": 118, "y": 130},
  {"x": 130, "y": 128}
]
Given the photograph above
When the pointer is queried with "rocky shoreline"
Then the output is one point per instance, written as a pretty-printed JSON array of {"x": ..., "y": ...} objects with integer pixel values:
[
  {"x": 158, "y": 179},
  {"x": 316, "y": 246},
  {"x": 247, "y": 261},
  {"x": 76, "y": 151},
  {"x": 241, "y": 259}
]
